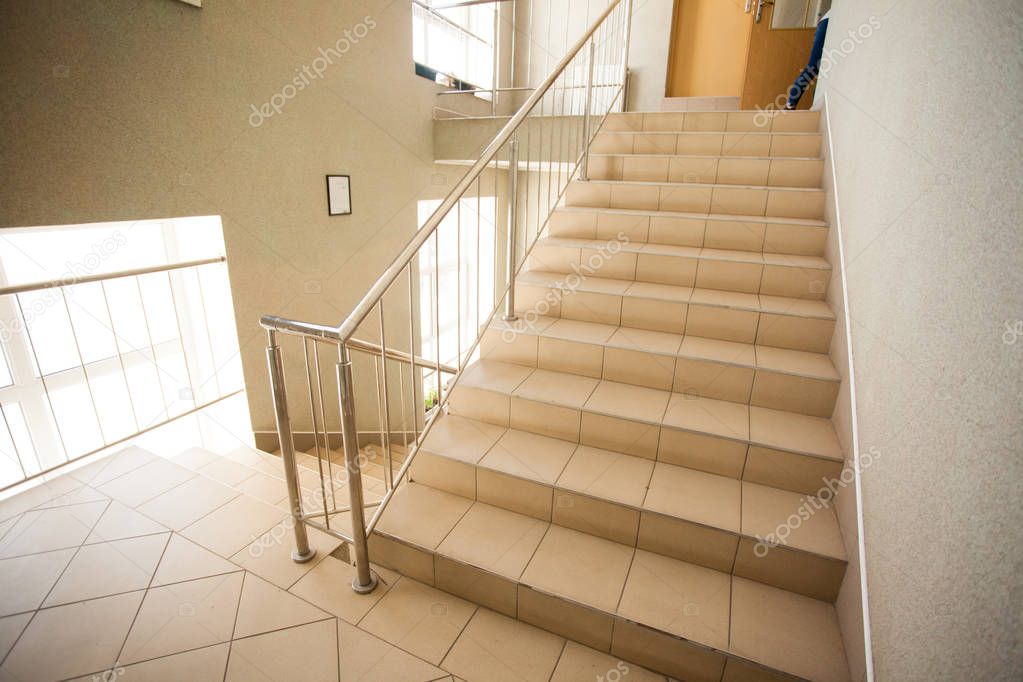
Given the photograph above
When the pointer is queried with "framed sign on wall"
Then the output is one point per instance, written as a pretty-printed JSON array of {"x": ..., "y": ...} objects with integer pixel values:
[{"x": 339, "y": 195}]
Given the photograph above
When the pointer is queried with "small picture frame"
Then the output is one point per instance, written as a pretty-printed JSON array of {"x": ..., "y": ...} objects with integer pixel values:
[{"x": 339, "y": 195}]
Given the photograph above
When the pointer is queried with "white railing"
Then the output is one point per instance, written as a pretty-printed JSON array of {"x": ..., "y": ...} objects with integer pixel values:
[
  {"x": 91, "y": 361},
  {"x": 399, "y": 354}
]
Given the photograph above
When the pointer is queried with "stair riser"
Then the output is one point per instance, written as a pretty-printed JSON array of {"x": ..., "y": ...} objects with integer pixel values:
[
  {"x": 718, "y": 199},
  {"x": 651, "y": 648},
  {"x": 708, "y": 452},
  {"x": 744, "y": 235},
  {"x": 703, "y": 273},
  {"x": 713, "y": 322},
  {"x": 693, "y": 376},
  {"x": 714, "y": 121},
  {"x": 803, "y": 146},
  {"x": 777, "y": 172},
  {"x": 794, "y": 570}
]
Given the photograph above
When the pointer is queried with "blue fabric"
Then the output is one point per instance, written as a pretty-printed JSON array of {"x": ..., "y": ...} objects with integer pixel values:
[{"x": 808, "y": 75}]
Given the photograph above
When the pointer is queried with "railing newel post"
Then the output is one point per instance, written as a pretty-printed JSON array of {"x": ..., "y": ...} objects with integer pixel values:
[
  {"x": 364, "y": 580},
  {"x": 302, "y": 552}
]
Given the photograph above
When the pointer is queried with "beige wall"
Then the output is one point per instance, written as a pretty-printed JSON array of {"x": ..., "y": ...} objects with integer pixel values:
[
  {"x": 140, "y": 109},
  {"x": 924, "y": 115},
  {"x": 569, "y": 19},
  {"x": 708, "y": 54}
]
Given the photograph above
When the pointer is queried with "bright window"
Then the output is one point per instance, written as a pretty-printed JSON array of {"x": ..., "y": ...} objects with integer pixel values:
[{"x": 457, "y": 42}]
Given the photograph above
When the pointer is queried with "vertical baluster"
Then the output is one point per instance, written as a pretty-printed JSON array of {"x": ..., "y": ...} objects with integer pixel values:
[
  {"x": 316, "y": 430},
  {"x": 323, "y": 421},
  {"x": 584, "y": 170},
  {"x": 436, "y": 303},
  {"x": 386, "y": 439},
  {"x": 513, "y": 219},
  {"x": 625, "y": 55},
  {"x": 302, "y": 552},
  {"x": 364, "y": 580},
  {"x": 412, "y": 311}
]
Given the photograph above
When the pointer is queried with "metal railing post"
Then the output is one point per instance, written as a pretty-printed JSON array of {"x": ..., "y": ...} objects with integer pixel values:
[
  {"x": 625, "y": 57},
  {"x": 513, "y": 222},
  {"x": 584, "y": 165},
  {"x": 302, "y": 552},
  {"x": 364, "y": 580}
]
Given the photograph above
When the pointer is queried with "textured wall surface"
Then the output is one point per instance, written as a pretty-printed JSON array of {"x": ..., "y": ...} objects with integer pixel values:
[
  {"x": 142, "y": 109},
  {"x": 924, "y": 105}
]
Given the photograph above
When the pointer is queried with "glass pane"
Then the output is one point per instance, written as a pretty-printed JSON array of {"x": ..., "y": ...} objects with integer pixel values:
[
  {"x": 216, "y": 292},
  {"x": 5, "y": 368},
  {"x": 91, "y": 321},
  {"x": 163, "y": 328},
  {"x": 76, "y": 417},
  {"x": 10, "y": 463},
  {"x": 790, "y": 14},
  {"x": 110, "y": 389},
  {"x": 198, "y": 343},
  {"x": 49, "y": 329}
]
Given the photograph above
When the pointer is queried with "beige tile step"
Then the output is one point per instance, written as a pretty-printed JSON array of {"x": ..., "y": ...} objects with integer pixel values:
[
  {"x": 693, "y": 197},
  {"x": 723, "y": 170},
  {"x": 790, "y": 380},
  {"x": 705, "y": 268},
  {"x": 711, "y": 230},
  {"x": 715, "y": 521},
  {"x": 782, "y": 322},
  {"x": 782, "y": 145},
  {"x": 678, "y": 618},
  {"x": 719, "y": 121},
  {"x": 773, "y": 447}
]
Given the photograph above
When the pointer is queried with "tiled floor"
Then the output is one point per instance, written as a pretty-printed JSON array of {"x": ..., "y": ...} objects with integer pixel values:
[{"x": 145, "y": 568}]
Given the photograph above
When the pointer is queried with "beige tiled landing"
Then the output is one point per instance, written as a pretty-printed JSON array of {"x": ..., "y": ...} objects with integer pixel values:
[
  {"x": 184, "y": 560},
  {"x": 72, "y": 640},
  {"x": 263, "y": 607},
  {"x": 109, "y": 568},
  {"x": 185, "y": 504},
  {"x": 328, "y": 586},
  {"x": 199, "y": 665},
  {"x": 307, "y": 652},
  {"x": 231, "y": 527},
  {"x": 146, "y": 482},
  {"x": 269, "y": 555},
  {"x": 419, "y": 619},
  {"x": 107, "y": 469},
  {"x": 184, "y": 616},
  {"x": 28, "y": 579},
  {"x": 49, "y": 529},
  {"x": 365, "y": 658},
  {"x": 787, "y": 631},
  {"x": 119, "y": 522},
  {"x": 498, "y": 648}
]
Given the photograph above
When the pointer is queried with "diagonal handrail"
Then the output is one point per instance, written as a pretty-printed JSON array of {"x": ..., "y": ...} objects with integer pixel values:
[{"x": 344, "y": 331}]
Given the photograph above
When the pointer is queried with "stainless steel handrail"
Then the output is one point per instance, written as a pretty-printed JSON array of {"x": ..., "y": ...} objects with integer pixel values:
[
  {"x": 100, "y": 277},
  {"x": 345, "y": 330},
  {"x": 342, "y": 336}
]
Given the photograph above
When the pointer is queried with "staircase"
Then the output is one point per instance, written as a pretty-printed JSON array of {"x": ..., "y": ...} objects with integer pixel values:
[{"x": 633, "y": 462}]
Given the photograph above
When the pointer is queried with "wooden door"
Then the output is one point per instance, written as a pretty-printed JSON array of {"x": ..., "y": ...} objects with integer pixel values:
[{"x": 775, "y": 58}]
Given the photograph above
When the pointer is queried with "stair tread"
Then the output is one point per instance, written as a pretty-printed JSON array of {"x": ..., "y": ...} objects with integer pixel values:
[
  {"x": 777, "y": 429},
  {"x": 636, "y": 482},
  {"x": 808, "y": 222},
  {"x": 769, "y": 188},
  {"x": 727, "y": 299},
  {"x": 779, "y": 360},
  {"x": 620, "y": 580},
  {"x": 708, "y": 156},
  {"x": 707, "y": 132},
  {"x": 797, "y": 261}
]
